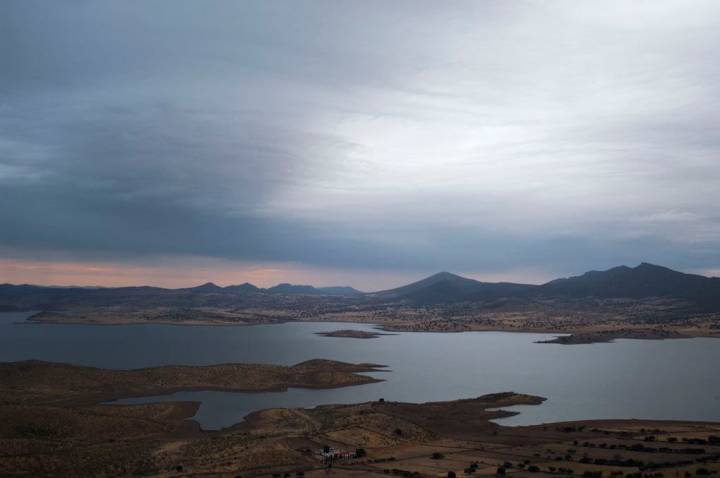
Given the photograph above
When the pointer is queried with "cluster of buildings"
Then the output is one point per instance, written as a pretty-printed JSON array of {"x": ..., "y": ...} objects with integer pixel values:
[{"x": 330, "y": 454}]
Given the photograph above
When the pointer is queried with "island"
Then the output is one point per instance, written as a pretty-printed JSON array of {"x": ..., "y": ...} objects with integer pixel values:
[
  {"x": 351, "y": 334},
  {"x": 605, "y": 336}
]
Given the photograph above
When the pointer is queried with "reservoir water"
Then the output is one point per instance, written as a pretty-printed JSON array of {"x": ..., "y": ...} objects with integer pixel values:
[{"x": 670, "y": 379}]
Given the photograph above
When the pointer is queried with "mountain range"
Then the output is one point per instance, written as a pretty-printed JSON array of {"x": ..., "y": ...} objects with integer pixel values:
[{"x": 643, "y": 281}]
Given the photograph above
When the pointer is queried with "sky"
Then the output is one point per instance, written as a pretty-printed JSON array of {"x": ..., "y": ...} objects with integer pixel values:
[{"x": 362, "y": 143}]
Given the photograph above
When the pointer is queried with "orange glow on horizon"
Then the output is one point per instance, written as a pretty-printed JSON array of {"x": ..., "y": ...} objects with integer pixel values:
[
  {"x": 189, "y": 272},
  {"x": 179, "y": 272}
]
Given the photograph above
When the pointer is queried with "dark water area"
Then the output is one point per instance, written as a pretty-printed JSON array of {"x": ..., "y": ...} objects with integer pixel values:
[{"x": 671, "y": 379}]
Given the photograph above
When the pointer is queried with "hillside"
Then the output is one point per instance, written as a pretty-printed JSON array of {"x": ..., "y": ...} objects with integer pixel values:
[
  {"x": 445, "y": 287},
  {"x": 32, "y": 297},
  {"x": 643, "y": 281},
  {"x": 290, "y": 289}
]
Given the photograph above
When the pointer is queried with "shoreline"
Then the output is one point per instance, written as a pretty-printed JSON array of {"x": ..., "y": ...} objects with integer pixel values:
[
  {"x": 51, "y": 419},
  {"x": 83, "y": 385},
  {"x": 352, "y": 334},
  {"x": 375, "y": 436},
  {"x": 577, "y": 336}
]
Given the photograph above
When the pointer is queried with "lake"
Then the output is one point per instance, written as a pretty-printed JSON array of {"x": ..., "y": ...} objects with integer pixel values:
[{"x": 671, "y": 379}]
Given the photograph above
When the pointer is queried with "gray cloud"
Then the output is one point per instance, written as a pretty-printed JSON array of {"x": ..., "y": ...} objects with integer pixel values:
[{"x": 466, "y": 136}]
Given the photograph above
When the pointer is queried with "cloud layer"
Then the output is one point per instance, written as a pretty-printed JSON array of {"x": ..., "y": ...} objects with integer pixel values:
[{"x": 479, "y": 137}]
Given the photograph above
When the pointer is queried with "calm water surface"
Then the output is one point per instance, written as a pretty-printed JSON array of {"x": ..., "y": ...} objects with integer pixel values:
[{"x": 671, "y": 379}]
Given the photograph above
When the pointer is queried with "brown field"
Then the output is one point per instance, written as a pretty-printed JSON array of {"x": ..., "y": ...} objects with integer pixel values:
[
  {"x": 58, "y": 384},
  {"x": 53, "y": 424},
  {"x": 586, "y": 321}
]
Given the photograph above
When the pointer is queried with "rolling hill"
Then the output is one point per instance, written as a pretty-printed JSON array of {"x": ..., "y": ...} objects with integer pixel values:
[
  {"x": 643, "y": 281},
  {"x": 290, "y": 289},
  {"x": 445, "y": 287}
]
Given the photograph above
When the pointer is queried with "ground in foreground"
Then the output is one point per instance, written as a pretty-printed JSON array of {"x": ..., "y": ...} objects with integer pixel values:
[{"x": 45, "y": 431}]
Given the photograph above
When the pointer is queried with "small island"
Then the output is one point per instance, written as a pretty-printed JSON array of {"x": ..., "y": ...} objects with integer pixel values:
[
  {"x": 605, "y": 336},
  {"x": 352, "y": 334}
]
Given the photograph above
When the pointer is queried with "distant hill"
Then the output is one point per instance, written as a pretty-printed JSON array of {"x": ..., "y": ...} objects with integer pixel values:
[
  {"x": 645, "y": 280},
  {"x": 242, "y": 288},
  {"x": 445, "y": 287},
  {"x": 208, "y": 287},
  {"x": 29, "y": 297},
  {"x": 290, "y": 289},
  {"x": 345, "y": 291}
]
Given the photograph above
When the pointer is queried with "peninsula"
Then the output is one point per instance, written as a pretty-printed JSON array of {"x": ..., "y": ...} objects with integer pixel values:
[{"x": 52, "y": 423}]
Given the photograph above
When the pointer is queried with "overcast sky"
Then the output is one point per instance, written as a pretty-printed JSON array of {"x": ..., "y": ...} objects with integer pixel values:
[{"x": 356, "y": 142}]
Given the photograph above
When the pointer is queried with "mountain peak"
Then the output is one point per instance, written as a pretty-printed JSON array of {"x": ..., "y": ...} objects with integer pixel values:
[
  {"x": 652, "y": 267},
  {"x": 207, "y": 287},
  {"x": 644, "y": 280},
  {"x": 444, "y": 275},
  {"x": 448, "y": 287},
  {"x": 244, "y": 287}
]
